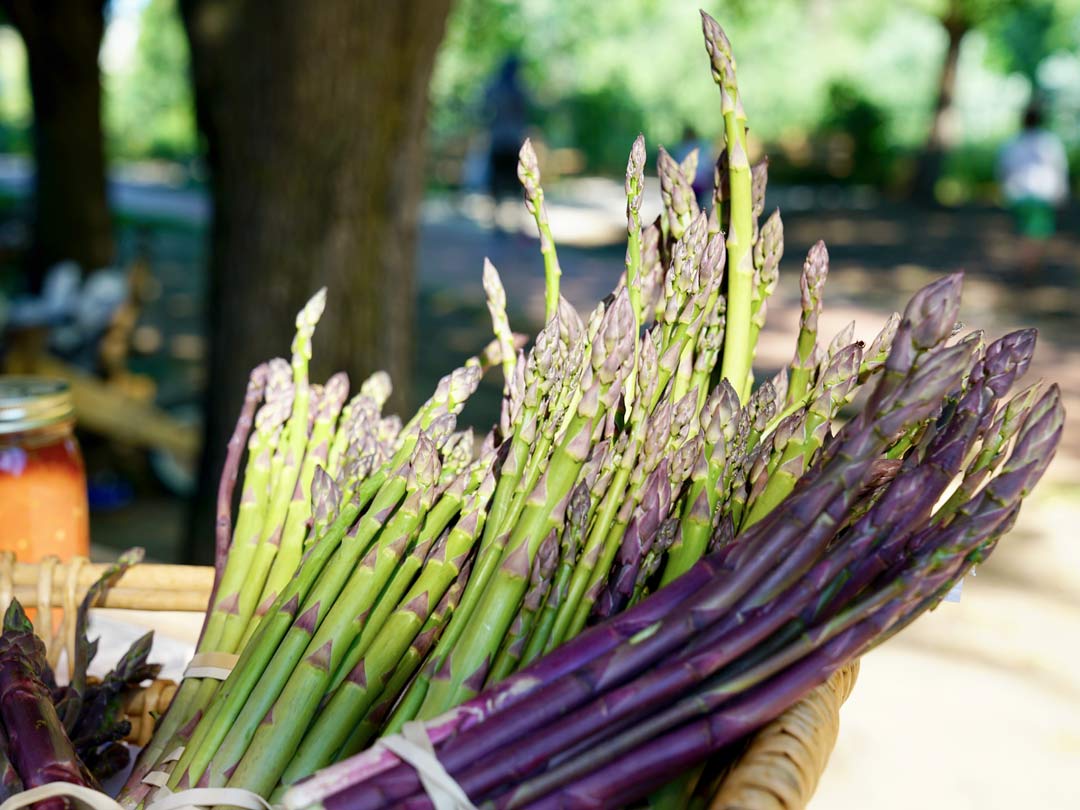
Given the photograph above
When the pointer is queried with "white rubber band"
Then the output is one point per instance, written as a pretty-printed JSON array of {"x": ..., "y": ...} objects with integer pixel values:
[
  {"x": 83, "y": 796},
  {"x": 209, "y": 797},
  {"x": 214, "y": 665},
  {"x": 173, "y": 755},
  {"x": 156, "y": 778},
  {"x": 413, "y": 746}
]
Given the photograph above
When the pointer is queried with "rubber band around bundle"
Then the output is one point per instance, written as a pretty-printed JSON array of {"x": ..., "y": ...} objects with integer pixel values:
[
  {"x": 414, "y": 747},
  {"x": 159, "y": 779},
  {"x": 77, "y": 794},
  {"x": 217, "y": 665}
]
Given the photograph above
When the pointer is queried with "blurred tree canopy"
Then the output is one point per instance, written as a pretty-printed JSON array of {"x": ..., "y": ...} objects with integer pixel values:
[
  {"x": 599, "y": 73},
  {"x": 149, "y": 105}
]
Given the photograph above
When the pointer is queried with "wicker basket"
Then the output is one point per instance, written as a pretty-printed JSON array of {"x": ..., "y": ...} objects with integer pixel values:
[{"x": 779, "y": 768}]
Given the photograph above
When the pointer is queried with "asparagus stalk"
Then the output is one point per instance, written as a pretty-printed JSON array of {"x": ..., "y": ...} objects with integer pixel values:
[
  {"x": 529, "y": 175},
  {"x": 39, "y": 748},
  {"x": 496, "y": 303},
  {"x": 234, "y": 450},
  {"x": 573, "y": 535},
  {"x": 291, "y": 545},
  {"x": 738, "y": 350},
  {"x": 704, "y": 496},
  {"x": 768, "y": 250},
  {"x": 833, "y": 391},
  {"x": 635, "y": 184},
  {"x": 815, "y": 269},
  {"x": 665, "y": 537},
  {"x": 513, "y": 644},
  {"x": 236, "y": 620},
  {"x": 680, "y": 205},
  {"x": 636, "y": 544}
]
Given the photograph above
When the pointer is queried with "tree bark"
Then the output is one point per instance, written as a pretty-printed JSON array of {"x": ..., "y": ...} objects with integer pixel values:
[
  {"x": 314, "y": 120},
  {"x": 71, "y": 212},
  {"x": 942, "y": 128}
]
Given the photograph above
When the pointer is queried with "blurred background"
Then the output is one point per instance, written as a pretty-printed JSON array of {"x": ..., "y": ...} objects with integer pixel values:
[{"x": 178, "y": 176}]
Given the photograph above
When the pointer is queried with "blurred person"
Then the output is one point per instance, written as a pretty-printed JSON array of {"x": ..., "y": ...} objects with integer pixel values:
[
  {"x": 506, "y": 106},
  {"x": 1034, "y": 174},
  {"x": 703, "y": 178}
]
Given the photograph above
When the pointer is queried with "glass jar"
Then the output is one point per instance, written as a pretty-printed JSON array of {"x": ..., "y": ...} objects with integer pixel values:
[{"x": 43, "y": 508}]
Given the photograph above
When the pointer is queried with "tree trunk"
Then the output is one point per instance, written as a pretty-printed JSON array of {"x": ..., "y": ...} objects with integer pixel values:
[
  {"x": 942, "y": 135},
  {"x": 71, "y": 212},
  {"x": 314, "y": 120}
]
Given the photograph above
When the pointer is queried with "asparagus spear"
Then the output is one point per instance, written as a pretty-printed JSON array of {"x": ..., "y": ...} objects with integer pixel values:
[
  {"x": 815, "y": 269},
  {"x": 704, "y": 496},
  {"x": 635, "y": 183},
  {"x": 235, "y": 623},
  {"x": 234, "y": 450},
  {"x": 39, "y": 748},
  {"x": 768, "y": 250},
  {"x": 513, "y": 644},
  {"x": 529, "y": 175},
  {"x": 738, "y": 350},
  {"x": 577, "y": 513},
  {"x": 833, "y": 391},
  {"x": 636, "y": 544},
  {"x": 680, "y": 205},
  {"x": 496, "y": 303}
]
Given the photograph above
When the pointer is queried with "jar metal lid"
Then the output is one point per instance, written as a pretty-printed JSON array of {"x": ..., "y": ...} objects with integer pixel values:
[{"x": 28, "y": 403}]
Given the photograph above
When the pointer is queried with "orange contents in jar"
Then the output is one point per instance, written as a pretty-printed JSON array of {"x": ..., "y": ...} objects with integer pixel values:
[
  {"x": 43, "y": 506},
  {"x": 43, "y": 501}
]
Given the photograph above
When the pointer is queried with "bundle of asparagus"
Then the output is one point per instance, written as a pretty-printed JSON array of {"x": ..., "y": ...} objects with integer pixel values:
[
  {"x": 72, "y": 733},
  {"x": 380, "y": 573},
  {"x": 842, "y": 564}
]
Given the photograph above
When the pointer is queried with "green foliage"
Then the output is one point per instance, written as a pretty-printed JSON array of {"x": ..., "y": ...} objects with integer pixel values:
[
  {"x": 861, "y": 128},
  {"x": 148, "y": 108},
  {"x": 1023, "y": 35},
  {"x": 16, "y": 112}
]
